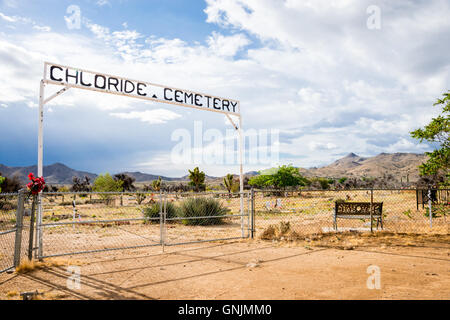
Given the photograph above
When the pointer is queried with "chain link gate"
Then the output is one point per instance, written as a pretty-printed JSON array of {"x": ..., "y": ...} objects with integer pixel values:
[
  {"x": 75, "y": 223},
  {"x": 11, "y": 229},
  {"x": 209, "y": 224}
]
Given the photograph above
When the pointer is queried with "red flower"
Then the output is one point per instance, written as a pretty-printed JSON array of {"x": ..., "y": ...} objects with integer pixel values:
[{"x": 37, "y": 184}]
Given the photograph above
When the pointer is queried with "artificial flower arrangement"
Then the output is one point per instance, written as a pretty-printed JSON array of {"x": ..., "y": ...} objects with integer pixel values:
[{"x": 36, "y": 184}]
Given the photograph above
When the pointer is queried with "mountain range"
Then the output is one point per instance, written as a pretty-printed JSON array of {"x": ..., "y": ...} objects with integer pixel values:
[
  {"x": 59, "y": 173},
  {"x": 400, "y": 165}
]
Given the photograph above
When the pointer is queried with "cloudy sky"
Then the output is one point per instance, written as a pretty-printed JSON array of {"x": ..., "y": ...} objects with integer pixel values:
[{"x": 332, "y": 77}]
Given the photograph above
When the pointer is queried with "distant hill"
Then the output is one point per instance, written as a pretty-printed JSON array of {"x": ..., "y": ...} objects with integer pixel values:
[
  {"x": 145, "y": 177},
  {"x": 56, "y": 173},
  {"x": 352, "y": 165},
  {"x": 59, "y": 173}
]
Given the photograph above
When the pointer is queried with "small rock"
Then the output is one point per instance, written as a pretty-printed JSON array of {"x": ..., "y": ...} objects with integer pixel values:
[{"x": 252, "y": 265}]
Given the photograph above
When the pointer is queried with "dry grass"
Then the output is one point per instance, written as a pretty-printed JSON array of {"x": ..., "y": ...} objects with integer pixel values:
[
  {"x": 26, "y": 265},
  {"x": 12, "y": 293},
  {"x": 281, "y": 231},
  {"x": 353, "y": 239}
]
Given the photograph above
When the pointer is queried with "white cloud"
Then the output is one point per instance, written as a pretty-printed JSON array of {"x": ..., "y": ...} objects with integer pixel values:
[
  {"x": 8, "y": 18},
  {"x": 318, "y": 74},
  {"x": 102, "y": 3},
  {"x": 156, "y": 116},
  {"x": 404, "y": 145},
  {"x": 315, "y": 145},
  {"x": 3, "y": 105},
  {"x": 227, "y": 46},
  {"x": 19, "y": 19},
  {"x": 42, "y": 28}
]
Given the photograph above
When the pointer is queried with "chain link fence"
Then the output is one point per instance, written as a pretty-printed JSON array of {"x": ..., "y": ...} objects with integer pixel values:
[
  {"x": 8, "y": 206},
  {"x": 74, "y": 223},
  {"x": 14, "y": 230},
  {"x": 313, "y": 211}
]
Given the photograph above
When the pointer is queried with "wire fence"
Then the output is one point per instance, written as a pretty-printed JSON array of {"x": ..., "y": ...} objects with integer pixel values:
[
  {"x": 312, "y": 211},
  {"x": 12, "y": 226},
  {"x": 8, "y": 205},
  {"x": 74, "y": 223}
]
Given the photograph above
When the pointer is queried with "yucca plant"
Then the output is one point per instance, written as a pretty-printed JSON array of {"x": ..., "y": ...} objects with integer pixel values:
[
  {"x": 203, "y": 207},
  {"x": 228, "y": 182},
  {"x": 153, "y": 210}
]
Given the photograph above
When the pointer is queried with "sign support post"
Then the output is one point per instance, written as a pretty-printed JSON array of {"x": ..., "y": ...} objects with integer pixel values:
[{"x": 241, "y": 173}]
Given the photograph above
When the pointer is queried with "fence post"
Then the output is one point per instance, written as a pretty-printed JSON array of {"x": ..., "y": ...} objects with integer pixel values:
[
  {"x": 32, "y": 220},
  {"x": 241, "y": 212},
  {"x": 160, "y": 217},
  {"x": 164, "y": 221},
  {"x": 39, "y": 230},
  {"x": 248, "y": 214},
  {"x": 19, "y": 225},
  {"x": 371, "y": 209},
  {"x": 252, "y": 213},
  {"x": 74, "y": 212},
  {"x": 430, "y": 212}
]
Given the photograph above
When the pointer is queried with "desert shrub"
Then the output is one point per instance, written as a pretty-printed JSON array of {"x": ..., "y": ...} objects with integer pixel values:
[
  {"x": 63, "y": 189},
  {"x": 282, "y": 231},
  {"x": 140, "y": 197},
  {"x": 407, "y": 213},
  {"x": 11, "y": 185},
  {"x": 7, "y": 205},
  {"x": 153, "y": 210},
  {"x": 269, "y": 233},
  {"x": 437, "y": 211},
  {"x": 203, "y": 207}
]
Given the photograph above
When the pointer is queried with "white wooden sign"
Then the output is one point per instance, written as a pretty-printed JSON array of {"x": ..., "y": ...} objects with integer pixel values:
[{"x": 84, "y": 79}]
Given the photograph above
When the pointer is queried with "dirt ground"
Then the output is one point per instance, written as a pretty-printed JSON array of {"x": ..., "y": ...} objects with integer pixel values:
[{"x": 331, "y": 266}]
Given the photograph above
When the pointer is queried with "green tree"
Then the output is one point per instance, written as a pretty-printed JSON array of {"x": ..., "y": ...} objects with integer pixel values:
[
  {"x": 261, "y": 181},
  {"x": 283, "y": 177},
  {"x": 324, "y": 183},
  {"x": 228, "y": 182},
  {"x": 127, "y": 181},
  {"x": 106, "y": 183},
  {"x": 197, "y": 178},
  {"x": 437, "y": 132},
  {"x": 2, "y": 179},
  {"x": 342, "y": 180},
  {"x": 81, "y": 185},
  {"x": 10, "y": 185},
  {"x": 156, "y": 184}
]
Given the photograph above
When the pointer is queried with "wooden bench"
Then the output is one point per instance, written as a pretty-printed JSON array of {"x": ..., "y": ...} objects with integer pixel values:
[{"x": 358, "y": 210}]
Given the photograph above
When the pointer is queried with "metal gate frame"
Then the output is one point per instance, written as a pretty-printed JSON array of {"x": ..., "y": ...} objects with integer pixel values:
[
  {"x": 66, "y": 86},
  {"x": 246, "y": 232}
]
